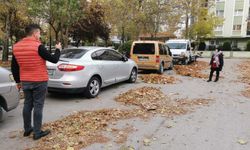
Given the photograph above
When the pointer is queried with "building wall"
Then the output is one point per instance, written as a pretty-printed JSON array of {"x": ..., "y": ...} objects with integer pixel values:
[
  {"x": 236, "y": 25},
  {"x": 233, "y": 16}
]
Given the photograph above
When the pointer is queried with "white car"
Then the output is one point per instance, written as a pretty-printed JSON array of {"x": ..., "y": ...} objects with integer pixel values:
[
  {"x": 9, "y": 95},
  {"x": 181, "y": 50},
  {"x": 87, "y": 69}
]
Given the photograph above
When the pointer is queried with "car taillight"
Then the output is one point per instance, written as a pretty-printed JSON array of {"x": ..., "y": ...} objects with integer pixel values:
[
  {"x": 70, "y": 67},
  {"x": 157, "y": 59}
]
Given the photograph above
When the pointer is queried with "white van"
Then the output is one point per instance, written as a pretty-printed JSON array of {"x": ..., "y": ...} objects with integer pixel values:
[{"x": 181, "y": 50}]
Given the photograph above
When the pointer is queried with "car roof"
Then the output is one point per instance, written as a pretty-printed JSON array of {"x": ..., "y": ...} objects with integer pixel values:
[
  {"x": 89, "y": 48},
  {"x": 177, "y": 40},
  {"x": 147, "y": 41}
]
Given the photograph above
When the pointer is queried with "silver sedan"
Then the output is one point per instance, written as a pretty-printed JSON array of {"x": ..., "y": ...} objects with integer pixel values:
[
  {"x": 9, "y": 95},
  {"x": 87, "y": 69}
]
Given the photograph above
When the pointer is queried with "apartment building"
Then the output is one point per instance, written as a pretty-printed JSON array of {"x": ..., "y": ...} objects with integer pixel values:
[{"x": 236, "y": 26}]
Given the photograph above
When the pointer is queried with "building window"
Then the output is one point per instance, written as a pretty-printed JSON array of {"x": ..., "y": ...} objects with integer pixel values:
[
  {"x": 238, "y": 12},
  {"x": 237, "y": 27},
  {"x": 219, "y": 28},
  {"x": 220, "y": 13}
]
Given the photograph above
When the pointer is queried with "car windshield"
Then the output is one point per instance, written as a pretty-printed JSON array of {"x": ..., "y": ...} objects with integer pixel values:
[
  {"x": 144, "y": 48},
  {"x": 177, "y": 45},
  {"x": 72, "y": 53}
]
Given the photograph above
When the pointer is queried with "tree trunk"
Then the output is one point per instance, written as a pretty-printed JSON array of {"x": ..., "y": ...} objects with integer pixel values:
[
  {"x": 65, "y": 37},
  {"x": 6, "y": 38},
  {"x": 123, "y": 35},
  {"x": 61, "y": 39},
  {"x": 187, "y": 26}
]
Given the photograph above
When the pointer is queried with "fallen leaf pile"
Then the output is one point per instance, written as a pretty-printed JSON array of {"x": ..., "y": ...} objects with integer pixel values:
[
  {"x": 193, "y": 70},
  {"x": 245, "y": 78},
  {"x": 158, "y": 79},
  {"x": 245, "y": 71},
  {"x": 83, "y": 128},
  {"x": 5, "y": 63},
  {"x": 152, "y": 99},
  {"x": 122, "y": 134}
]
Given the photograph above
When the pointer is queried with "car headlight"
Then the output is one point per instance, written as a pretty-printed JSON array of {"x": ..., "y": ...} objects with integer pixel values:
[{"x": 11, "y": 78}]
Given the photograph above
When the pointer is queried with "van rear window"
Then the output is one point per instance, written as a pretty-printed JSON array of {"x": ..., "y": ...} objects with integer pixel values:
[{"x": 144, "y": 48}]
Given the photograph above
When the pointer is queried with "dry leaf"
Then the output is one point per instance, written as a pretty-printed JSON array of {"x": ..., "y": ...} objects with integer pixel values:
[
  {"x": 242, "y": 142},
  {"x": 146, "y": 142},
  {"x": 158, "y": 79},
  {"x": 193, "y": 70}
]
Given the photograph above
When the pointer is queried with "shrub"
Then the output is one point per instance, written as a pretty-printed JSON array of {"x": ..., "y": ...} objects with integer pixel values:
[
  {"x": 248, "y": 46},
  {"x": 211, "y": 47},
  {"x": 202, "y": 46},
  {"x": 226, "y": 46},
  {"x": 116, "y": 46},
  {"x": 125, "y": 48}
]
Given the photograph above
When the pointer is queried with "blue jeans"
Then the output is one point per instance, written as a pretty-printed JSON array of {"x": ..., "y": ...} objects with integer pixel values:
[{"x": 34, "y": 94}]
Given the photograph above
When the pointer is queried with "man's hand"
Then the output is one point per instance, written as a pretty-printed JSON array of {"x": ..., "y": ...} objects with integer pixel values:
[
  {"x": 19, "y": 86},
  {"x": 59, "y": 46}
]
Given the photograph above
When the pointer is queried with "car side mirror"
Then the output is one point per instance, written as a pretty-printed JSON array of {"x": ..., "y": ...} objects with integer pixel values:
[{"x": 124, "y": 58}]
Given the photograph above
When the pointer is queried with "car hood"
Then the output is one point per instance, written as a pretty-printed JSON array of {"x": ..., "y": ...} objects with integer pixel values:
[{"x": 177, "y": 51}]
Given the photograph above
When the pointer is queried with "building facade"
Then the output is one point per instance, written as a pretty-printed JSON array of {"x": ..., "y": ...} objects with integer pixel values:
[{"x": 236, "y": 26}]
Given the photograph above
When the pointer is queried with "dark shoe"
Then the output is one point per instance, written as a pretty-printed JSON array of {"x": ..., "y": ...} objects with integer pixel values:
[
  {"x": 208, "y": 80},
  {"x": 215, "y": 80},
  {"x": 27, "y": 133},
  {"x": 41, "y": 134}
]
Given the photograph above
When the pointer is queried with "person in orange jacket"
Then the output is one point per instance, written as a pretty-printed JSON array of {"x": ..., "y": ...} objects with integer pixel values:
[{"x": 30, "y": 73}]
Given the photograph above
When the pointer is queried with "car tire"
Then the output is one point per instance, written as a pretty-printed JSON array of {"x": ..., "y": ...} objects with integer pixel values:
[
  {"x": 93, "y": 87},
  {"x": 171, "y": 65},
  {"x": 1, "y": 114},
  {"x": 133, "y": 76},
  {"x": 185, "y": 62},
  {"x": 161, "y": 69}
]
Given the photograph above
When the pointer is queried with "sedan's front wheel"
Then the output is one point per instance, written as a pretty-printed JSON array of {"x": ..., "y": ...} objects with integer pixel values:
[{"x": 93, "y": 87}]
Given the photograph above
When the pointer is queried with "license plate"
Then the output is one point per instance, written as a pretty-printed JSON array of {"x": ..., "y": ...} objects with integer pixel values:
[
  {"x": 51, "y": 72},
  {"x": 143, "y": 58}
]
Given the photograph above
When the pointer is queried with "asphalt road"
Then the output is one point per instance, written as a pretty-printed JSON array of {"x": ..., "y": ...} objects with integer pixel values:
[{"x": 217, "y": 127}]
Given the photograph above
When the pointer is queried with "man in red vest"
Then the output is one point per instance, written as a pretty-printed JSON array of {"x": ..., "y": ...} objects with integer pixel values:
[{"x": 30, "y": 73}]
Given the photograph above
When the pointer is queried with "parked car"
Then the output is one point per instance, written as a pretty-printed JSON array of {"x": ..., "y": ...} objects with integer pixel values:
[
  {"x": 181, "y": 50},
  {"x": 87, "y": 69},
  {"x": 151, "y": 55},
  {"x": 9, "y": 95}
]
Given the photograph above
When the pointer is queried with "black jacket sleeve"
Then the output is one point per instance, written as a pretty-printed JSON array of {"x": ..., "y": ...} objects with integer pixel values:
[
  {"x": 15, "y": 69},
  {"x": 221, "y": 60},
  {"x": 211, "y": 61},
  {"x": 54, "y": 58}
]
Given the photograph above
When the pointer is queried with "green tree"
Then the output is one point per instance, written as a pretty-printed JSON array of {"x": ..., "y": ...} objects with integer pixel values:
[
  {"x": 130, "y": 18},
  {"x": 203, "y": 26},
  {"x": 92, "y": 25},
  {"x": 59, "y": 14},
  {"x": 199, "y": 22},
  {"x": 13, "y": 18}
]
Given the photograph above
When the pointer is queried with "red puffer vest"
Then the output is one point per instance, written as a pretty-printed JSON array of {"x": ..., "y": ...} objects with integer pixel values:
[{"x": 32, "y": 66}]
